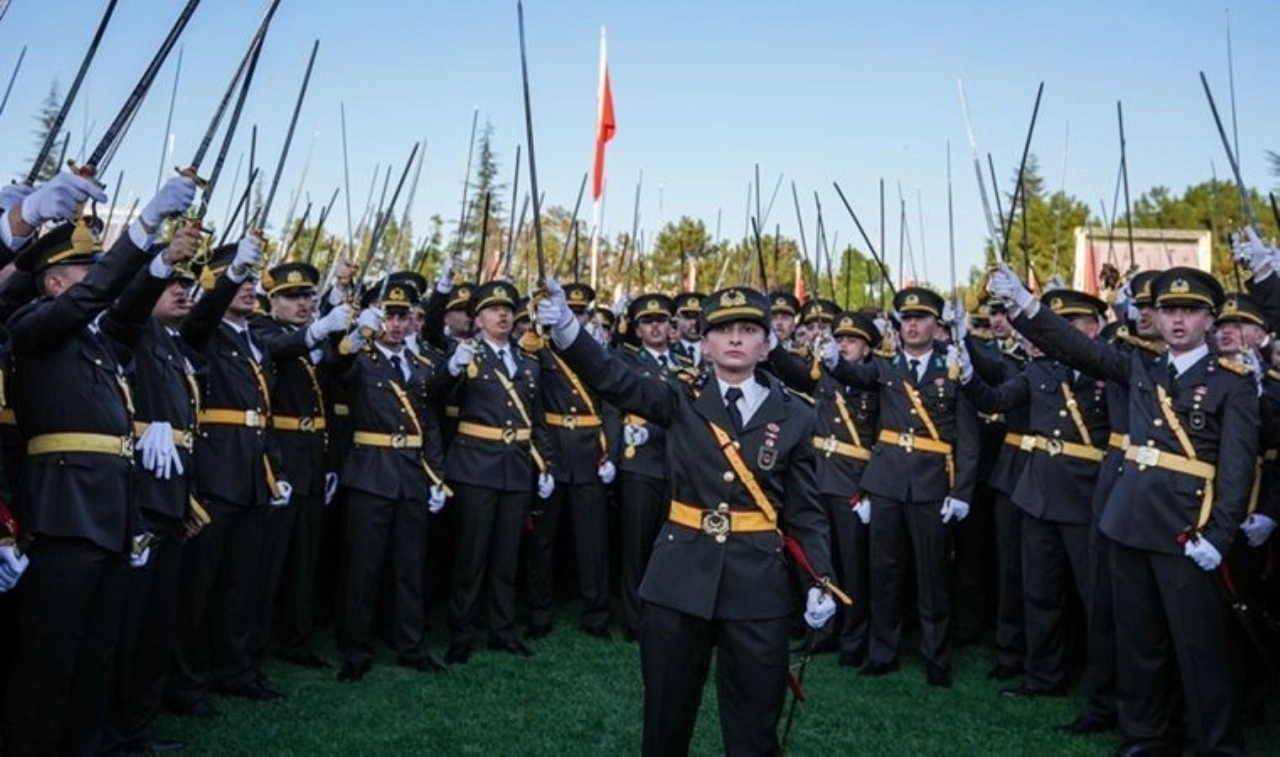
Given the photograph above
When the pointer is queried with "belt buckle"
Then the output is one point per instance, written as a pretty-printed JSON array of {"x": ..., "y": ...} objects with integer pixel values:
[
  {"x": 715, "y": 524},
  {"x": 907, "y": 440},
  {"x": 307, "y": 424},
  {"x": 126, "y": 446},
  {"x": 1053, "y": 447},
  {"x": 829, "y": 445},
  {"x": 508, "y": 435},
  {"x": 252, "y": 419},
  {"x": 1147, "y": 457},
  {"x": 571, "y": 422},
  {"x": 399, "y": 441},
  {"x": 1027, "y": 443}
]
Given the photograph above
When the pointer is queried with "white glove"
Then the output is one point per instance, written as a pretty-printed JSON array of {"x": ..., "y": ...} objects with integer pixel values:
[
  {"x": 863, "y": 510},
  {"x": 330, "y": 487},
  {"x": 1257, "y": 529},
  {"x": 964, "y": 359},
  {"x": 948, "y": 313},
  {"x": 961, "y": 327},
  {"x": 58, "y": 198},
  {"x": 444, "y": 282},
  {"x": 174, "y": 197},
  {"x": 1203, "y": 552},
  {"x": 248, "y": 255},
  {"x": 13, "y": 194},
  {"x": 553, "y": 310},
  {"x": 286, "y": 491},
  {"x": 140, "y": 559},
  {"x": 370, "y": 319},
  {"x": 462, "y": 356},
  {"x": 546, "y": 485},
  {"x": 159, "y": 453},
  {"x": 436, "y": 503},
  {"x": 830, "y": 353},
  {"x": 634, "y": 436},
  {"x": 335, "y": 321},
  {"x": 607, "y": 472},
  {"x": 1005, "y": 285},
  {"x": 819, "y": 608},
  {"x": 1250, "y": 359},
  {"x": 1252, "y": 253},
  {"x": 954, "y": 509},
  {"x": 12, "y": 564}
]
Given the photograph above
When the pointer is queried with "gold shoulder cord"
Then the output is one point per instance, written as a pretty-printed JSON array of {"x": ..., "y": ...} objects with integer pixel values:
[
  {"x": 1166, "y": 408},
  {"x": 748, "y": 479},
  {"x": 1073, "y": 407}
]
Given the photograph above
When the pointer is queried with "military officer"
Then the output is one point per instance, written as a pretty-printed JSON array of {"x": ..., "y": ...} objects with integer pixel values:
[
  {"x": 783, "y": 309},
  {"x": 687, "y": 324},
  {"x": 715, "y": 577},
  {"x": 1174, "y": 510}
]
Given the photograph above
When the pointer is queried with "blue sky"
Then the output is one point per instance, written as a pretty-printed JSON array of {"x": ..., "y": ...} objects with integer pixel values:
[{"x": 818, "y": 91}]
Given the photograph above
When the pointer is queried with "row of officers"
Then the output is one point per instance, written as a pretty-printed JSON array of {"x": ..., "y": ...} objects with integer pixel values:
[{"x": 171, "y": 453}]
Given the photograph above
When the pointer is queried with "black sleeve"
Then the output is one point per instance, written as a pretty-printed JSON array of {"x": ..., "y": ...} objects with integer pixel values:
[
  {"x": 126, "y": 320},
  {"x": 793, "y": 370},
  {"x": 1060, "y": 340},
  {"x": 280, "y": 343},
  {"x": 202, "y": 322},
  {"x": 1013, "y": 393},
  {"x": 862, "y": 375},
  {"x": 804, "y": 518},
  {"x": 968, "y": 443},
  {"x": 433, "y": 320},
  {"x": 649, "y": 397},
  {"x": 1267, "y": 295},
  {"x": 987, "y": 360}
]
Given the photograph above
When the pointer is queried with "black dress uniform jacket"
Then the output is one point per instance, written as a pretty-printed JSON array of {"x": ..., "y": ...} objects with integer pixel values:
[
  {"x": 649, "y": 459},
  {"x": 297, "y": 396},
  {"x": 746, "y": 576},
  {"x": 578, "y": 437}
]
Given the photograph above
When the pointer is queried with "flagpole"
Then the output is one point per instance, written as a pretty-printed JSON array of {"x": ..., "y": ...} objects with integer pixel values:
[{"x": 598, "y": 195}]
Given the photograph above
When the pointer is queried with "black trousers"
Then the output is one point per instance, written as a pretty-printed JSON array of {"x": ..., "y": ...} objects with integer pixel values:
[
  {"x": 1099, "y": 682},
  {"x": 295, "y": 599},
  {"x": 1171, "y": 624},
  {"x": 588, "y": 507},
  {"x": 643, "y": 505},
  {"x": 971, "y": 566},
  {"x": 71, "y": 605},
  {"x": 900, "y": 529},
  {"x": 221, "y": 581},
  {"x": 850, "y": 555},
  {"x": 148, "y": 636},
  {"x": 1054, "y": 559},
  {"x": 751, "y": 680},
  {"x": 373, "y": 523},
  {"x": 277, "y": 534},
  {"x": 490, "y": 524},
  {"x": 1011, "y": 638}
]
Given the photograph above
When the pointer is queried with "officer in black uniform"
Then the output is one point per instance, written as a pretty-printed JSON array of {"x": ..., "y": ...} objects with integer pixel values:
[
  {"x": 1065, "y": 442},
  {"x": 575, "y": 421},
  {"x": 817, "y": 315},
  {"x": 501, "y": 449},
  {"x": 393, "y": 473},
  {"x": 847, "y": 421},
  {"x": 81, "y": 530},
  {"x": 783, "y": 310},
  {"x": 299, "y": 348},
  {"x": 688, "y": 324},
  {"x": 242, "y": 477},
  {"x": 715, "y": 577},
  {"x": 643, "y": 473},
  {"x": 921, "y": 478},
  {"x": 1174, "y": 510}
]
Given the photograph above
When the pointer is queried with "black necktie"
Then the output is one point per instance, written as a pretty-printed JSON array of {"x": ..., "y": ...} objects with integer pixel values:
[
  {"x": 502, "y": 360},
  {"x": 395, "y": 365},
  {"x": 248, "y": 344},
  {"x": 731, "y": 397},
  {"x": 1173, "y": 375},
  {"x": 662, "y": 360},
  {"x": 914, "y": 364}
]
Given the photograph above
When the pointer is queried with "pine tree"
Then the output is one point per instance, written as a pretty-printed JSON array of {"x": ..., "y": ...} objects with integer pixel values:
[
  {"x": 485, "y": 181},
  {"x": 45, "y": 118}
]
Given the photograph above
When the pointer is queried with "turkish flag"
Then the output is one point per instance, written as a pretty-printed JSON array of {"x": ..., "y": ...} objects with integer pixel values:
[{"x": 606, "y": 124}]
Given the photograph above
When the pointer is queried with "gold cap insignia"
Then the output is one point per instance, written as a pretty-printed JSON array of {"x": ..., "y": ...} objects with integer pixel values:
[
  {"x": 577, "y": 295},
  {"x": 397, "y": 294},
  {"x": 1179, "y": 286},
  {"x": 733, "y": 298},
  {"x": 653, "y": 305},
  {"x": 1056, "y": 303},
  {"x": 912, "y": 300},
  {"x": 294, "y": 277}
]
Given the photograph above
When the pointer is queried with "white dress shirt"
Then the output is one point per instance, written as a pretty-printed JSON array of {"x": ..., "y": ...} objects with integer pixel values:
[
  {"x": 404, "y": 359},
  {"x": 1184, "y": 361},
  {"x": 753, "y": 396},
  {"x": 507, "y": 358}
]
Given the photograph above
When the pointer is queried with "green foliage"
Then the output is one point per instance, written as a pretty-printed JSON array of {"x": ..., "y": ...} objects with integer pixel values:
[{"x": 44, "y": 119}]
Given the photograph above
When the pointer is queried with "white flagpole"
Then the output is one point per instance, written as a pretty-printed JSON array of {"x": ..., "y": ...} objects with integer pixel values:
[{"x": 595, "y": 205}]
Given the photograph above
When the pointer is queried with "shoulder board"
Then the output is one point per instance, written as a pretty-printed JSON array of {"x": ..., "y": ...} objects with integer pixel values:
[
  {"x": 886, "y": 354},
  {"x": 801, "y": 351},
  {"x": 1237, "y": 368},
  {"x": 630, "y": 348},
  {"x": 1273, "y": 374},
  {"x": 687, "y": 375},
  {"x": 808, "y": 399},
  {"x": 1155, "y": 348},
  {"x": 527, "y": 355}
]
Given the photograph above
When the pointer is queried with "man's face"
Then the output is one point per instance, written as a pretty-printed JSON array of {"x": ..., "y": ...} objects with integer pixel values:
[
  {"x": 1229, "y": 337},
  {"x": 583, "y": 316},
  {"x": 396, "y": 322},
  {"x": 293, "y": 306},
  {"x": 1254, "y": 335},
  {"x": 1148, "y": 327},
  {"x": 653, "y": 331},
  {"x": 60, "y": 278},
  {"x": 1087, "y": 325},
  {"x": 918, "y": 331},
  {"x": 687, "y": 326},
  {"x": 736, "y": 346},
  {"x": 459, "y": 323},
  {"x": 1000, "y": 326},
  {"x": 853, "y": 348},
  {"x": 417, "y": 317},
  {"x": 819, "y": 329},
  {"x": 803, "y": 335},
  {"x": 245, "y": 300},
  {"x": 1184, "y": 328},
  {"x": 174, "y": 303},
  {"x": 495, "y": 322},
  {"x": 784, "y": 325}
]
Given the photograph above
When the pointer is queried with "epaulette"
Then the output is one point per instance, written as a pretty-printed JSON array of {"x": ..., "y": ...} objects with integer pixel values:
[
  {"x": 808, "y": 399},
  {"x": 1273, "y": 374},
  {"x": 800, "y": 351},
  {"x": 689, "y": 376},
  {"x": 1155, "y": 348},
  {"x": 630, "y": 348},
  {"x": 1240, "y": 369},
  {"x": 886, "y": 354}
]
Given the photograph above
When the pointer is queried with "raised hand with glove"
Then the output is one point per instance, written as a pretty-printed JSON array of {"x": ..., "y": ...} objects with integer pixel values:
[
  {"x": 546, "y": 485},
  {"x": 173, "y": 199},
  {"x": 1250, "y": 252},
  {"x": 12, "y": 565},
  {"x": 436, "y": 503},
  {"x": 336, "y": 321},
  {"x": 248, "y": 256},
  {"x": 819, "y": 608},
  {"x": 284, "y": 491},
  {"x": 960, "y": 354},
  {"x": 634, "y": 436},
  {"x": 607, "y": 472},
  {"x": 462, "y": 356},
  {"x": 444, "y": 282},
  {"x": 1005, "y": 285},
  {"x": 553, "y": 313},
  {"x": 159, "y": 454},
  {"x": 368, "y": 326},
  {"x": 954, "y": 509},
  {"x": 58, "y": 199},
  {"x": 1203, "y": 553},
  {"x": 830, "y": 353},
  {"x": 1257, "y": 528}
]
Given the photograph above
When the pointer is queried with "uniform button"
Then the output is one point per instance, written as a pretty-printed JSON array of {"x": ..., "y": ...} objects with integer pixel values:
[
  {"x": 913, "y": 411},
  {"x": 721, "y": 538},
  {"x": 1056, "y": 432},
  {"x": 573, "y": 409},
  {"x": 1062, "y": 413},
  {"x": 722, "y": 507},
  {"x": 1157, "y": 423},
  {"x": 671, "y": 537},
  {"x": 729, "y": 477}
]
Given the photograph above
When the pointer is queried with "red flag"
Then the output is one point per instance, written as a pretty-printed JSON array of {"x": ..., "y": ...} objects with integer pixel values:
[
  {"x": 1090, "y": 269},
  {"x": 606, "y": 124},
  {"x": 801, "y": 293}
]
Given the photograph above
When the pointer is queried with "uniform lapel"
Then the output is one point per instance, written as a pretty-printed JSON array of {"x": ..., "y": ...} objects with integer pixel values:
[
  {"x": 772, "y": 410},
  {"x": 710, "y": 405}
]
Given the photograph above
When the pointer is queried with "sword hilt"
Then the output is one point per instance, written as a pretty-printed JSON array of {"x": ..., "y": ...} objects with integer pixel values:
[{"x": 191, "y": 173}]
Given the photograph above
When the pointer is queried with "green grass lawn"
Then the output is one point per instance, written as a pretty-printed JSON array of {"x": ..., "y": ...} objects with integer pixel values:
[{"x": 580, "y": 695}]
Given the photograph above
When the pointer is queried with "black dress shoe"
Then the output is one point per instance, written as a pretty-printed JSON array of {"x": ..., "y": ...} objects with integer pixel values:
[
  {"x": 850, "y": 659},
  {"x": 513, "y": 646},
  {"x": 423, "y": 663},
  {"x": 199, "y": 707},
  {"x": 875, "y": 669},
  {"x": 304, "y": 659},
  {"x": 354, "y": 670},
  {"x": 939, "y": 677},
  {"x": 599, "y": 632},
  {"x": 1023, "y": 691},
  {"x": 457, "y": 654},
  {"x": 1004, "y": 672},
  {"x": 538, "y": 631},
  {"x": 1087, "y": 724}
]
